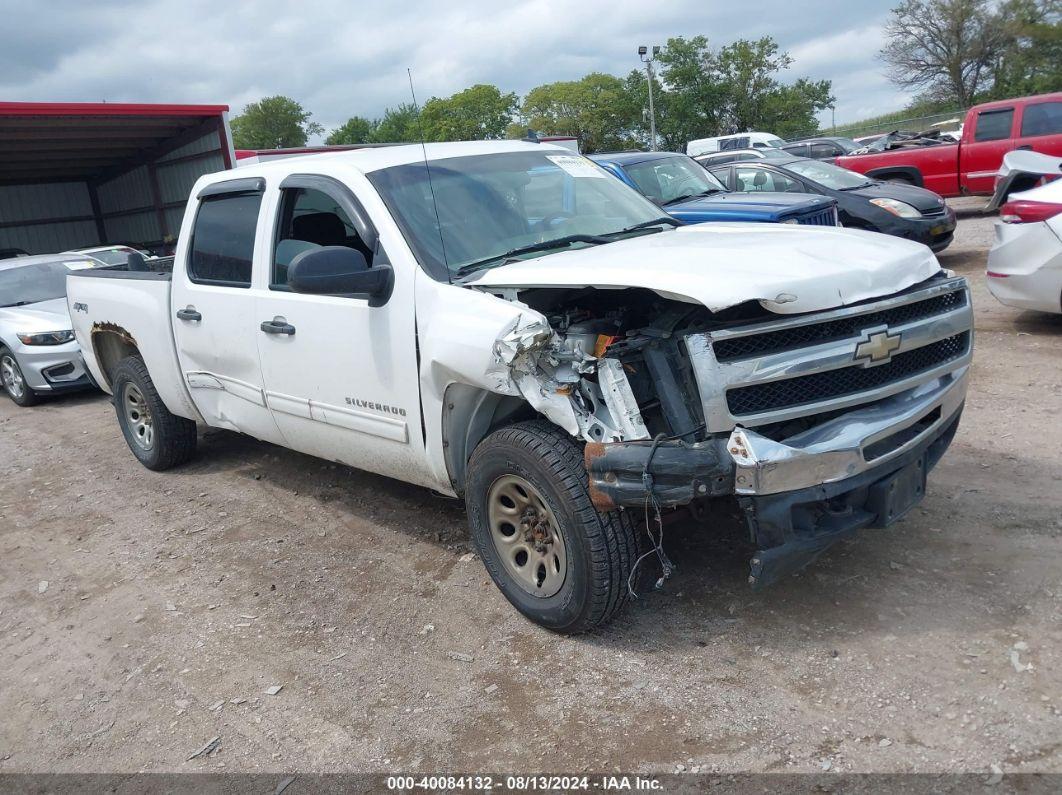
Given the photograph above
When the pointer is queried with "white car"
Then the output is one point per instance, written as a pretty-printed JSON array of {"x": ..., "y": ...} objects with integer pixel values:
[
  {"x": 38, "y": 352},
  {"x": 506, "y": 322},
  {"x": 112, "y": 255},
  {"x": 1025, "y": 264},
  {"x": 718, "y": 143}
]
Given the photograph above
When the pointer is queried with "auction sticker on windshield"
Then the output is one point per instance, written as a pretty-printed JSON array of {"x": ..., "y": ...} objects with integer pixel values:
[{"x": 577, "y": 166}]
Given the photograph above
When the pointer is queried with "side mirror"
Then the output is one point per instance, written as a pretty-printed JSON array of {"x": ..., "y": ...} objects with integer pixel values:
[
  {"x": 338, "y": 270},
  {"x": 135, "y": 262}
]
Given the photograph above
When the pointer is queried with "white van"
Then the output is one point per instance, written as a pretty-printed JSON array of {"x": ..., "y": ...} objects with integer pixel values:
[{"x": 722, "y": 143}]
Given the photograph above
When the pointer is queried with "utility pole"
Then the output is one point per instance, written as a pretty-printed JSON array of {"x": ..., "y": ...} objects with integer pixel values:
[{"x": 643, "y": 53}]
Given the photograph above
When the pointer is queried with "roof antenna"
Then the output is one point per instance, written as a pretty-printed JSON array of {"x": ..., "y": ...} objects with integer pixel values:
[{"x": 427, "y": 169}]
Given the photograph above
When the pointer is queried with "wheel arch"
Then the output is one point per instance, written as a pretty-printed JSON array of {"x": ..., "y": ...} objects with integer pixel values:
[
  {"x": 910, "y": 173},
  {"x": 110, "y": 344},
  {"x": 469, "y": 415}
]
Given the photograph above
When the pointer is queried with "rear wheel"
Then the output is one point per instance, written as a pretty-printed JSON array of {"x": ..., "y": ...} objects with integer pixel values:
[
  {"x": 14, "y": 382},
  {"x": 158, "y": 438},
  {"x": 559, "y": 561}
]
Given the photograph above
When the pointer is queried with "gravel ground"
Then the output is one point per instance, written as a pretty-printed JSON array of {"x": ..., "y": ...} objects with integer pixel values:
[{"x": 144, "y": 614}]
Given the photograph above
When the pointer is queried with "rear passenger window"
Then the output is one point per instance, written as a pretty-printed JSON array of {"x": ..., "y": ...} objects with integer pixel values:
[
  {"x": 310, "y": 219},
  {"x": 1043, "y": 118},
  {"x": 223, "y": 239},
  {"x": 800, "y": 150},
  {"x": 994, "y": 125},
  {"x": 819, "y": 151}
]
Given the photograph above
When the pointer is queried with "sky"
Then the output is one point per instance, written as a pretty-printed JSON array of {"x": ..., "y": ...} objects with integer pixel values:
[{"x": 349, "y": 58}]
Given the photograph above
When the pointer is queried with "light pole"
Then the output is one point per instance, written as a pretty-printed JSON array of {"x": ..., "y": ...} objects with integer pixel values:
[{"x": 648, "y": 61}]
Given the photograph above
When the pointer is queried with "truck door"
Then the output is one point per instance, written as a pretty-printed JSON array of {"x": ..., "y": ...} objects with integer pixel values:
[
  {"x": 982, "y": 153},
  {"x": 1041, "y": 128},
  {"x": 340, "y": 375},
  {"x": 215, "y": 324}
]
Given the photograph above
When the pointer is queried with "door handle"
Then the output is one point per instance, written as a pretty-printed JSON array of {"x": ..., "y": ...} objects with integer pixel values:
[
  {"x": 188, "y": 313},
  {"x": 277, "y": 326},
  {"x": 1026, "y": 147}
]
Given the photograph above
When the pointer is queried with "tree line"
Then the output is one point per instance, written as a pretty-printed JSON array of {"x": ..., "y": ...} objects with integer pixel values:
[
  {"x": 697, "y": 91},
  {"x": 954, "y": 53}
]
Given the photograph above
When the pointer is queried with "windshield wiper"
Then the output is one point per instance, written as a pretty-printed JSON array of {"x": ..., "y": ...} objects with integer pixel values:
[
  {"x": 17, "y": 303},
  {"x": 546, "y": 245},
  {"x": 688, "y": 196},
  {"x": 664, "y": 219}
]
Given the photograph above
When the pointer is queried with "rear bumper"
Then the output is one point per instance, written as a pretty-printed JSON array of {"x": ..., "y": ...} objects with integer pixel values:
[{"x": 1027, "y": 261}]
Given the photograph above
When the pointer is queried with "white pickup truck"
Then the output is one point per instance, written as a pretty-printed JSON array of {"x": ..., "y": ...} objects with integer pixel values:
[{"x": 505, "y": 322}]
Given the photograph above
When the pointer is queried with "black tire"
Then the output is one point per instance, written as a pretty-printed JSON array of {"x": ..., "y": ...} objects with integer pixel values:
[
  {"x": 599, "y": 548},
  {"x": 160, "y": 439},
  {"x": 900, "y": 181},
  {"x": 18, "y": 390}
]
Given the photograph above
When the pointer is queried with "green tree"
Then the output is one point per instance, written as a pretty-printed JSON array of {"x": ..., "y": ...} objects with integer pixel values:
[
  {"x": 1032, "y": 60},
  {"x": 356, "y": 130},
  {"x": 273, "y": 123},
  {"x": 598, "y": 110},
  {"x": 477, "y": 113},
  {"x": 398, "y": 125}
]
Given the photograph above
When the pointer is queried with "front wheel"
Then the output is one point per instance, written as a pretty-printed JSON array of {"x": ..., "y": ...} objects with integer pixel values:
[
  {"x": 14, "y": 382},
  {"x": 559, "y": 561},
  {"x": 158, "y": 438}
]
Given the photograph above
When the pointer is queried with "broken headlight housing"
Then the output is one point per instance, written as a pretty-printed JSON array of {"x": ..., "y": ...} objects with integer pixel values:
[{"x": 45, "y": 337}]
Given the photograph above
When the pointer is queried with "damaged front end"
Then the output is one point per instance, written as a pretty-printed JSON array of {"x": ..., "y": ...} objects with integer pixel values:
[{"x": 818, "y": 424}]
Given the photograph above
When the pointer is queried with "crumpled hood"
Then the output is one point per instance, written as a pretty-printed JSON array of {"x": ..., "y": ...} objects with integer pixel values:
[
  {"x": 42, "y": 316},
  {"x": 788, "y": 268}
]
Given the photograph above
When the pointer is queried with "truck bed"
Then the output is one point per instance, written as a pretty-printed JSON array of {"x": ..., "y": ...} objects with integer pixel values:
[{"x": 109, "y": 307}]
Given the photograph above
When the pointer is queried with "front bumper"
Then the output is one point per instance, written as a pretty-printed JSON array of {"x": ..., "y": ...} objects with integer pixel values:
[
  {"x": 935, "y": 232},
  {"x": 53, "y": 368}
]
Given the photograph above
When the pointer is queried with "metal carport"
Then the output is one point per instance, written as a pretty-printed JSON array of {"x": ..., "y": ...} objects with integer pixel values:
[{"x": 81, "y": 174}]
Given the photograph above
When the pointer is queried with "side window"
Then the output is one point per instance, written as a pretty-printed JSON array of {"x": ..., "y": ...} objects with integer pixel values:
[
  {"x": 824, "y": 150},
  {"x": 722, "y": 174},
  {"x": 800, "y": 150},
  {"x": 761, "y": 179},
  {"x": 223, "y": 239},
  {"x": 309, "y": 219},
  {"x": 994, "y": 125},
  {"x": 1043, "y": 118}
]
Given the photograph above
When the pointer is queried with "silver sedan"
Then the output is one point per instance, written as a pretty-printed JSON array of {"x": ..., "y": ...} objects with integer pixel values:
[{"x": 38, "y": 352}]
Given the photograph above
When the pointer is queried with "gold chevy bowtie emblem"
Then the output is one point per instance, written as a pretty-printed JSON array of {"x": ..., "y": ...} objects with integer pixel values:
[{"x": 878, "y": 347}]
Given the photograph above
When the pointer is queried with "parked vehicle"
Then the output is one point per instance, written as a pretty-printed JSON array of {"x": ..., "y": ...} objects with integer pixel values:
[
  {"x": 970, "y": 166},
  {"x": 722, "y": 143},
  {"x": 9, "y": 253},
  {"x": 737, "y": 155},
  {"x": 113, "y": 255},
  {"x": 863, "y": 203},
  {"x": 506, "y": 322},
  {"x": 1022, "y": 170},
  {"x": 822, "y": 148},
  {"x": 1025, "y": 263},
  {"x": 686, "y": 191},
  {"x": 38, "y": 352}
]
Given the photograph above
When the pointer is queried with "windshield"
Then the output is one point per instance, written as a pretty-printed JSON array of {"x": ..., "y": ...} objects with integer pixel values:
[
  {"x": 671, "y": 179},
  {"x": 829, "y": 175},
  {"x": 486, "y": 206},
  {"x": 775, "y": 142},
  {"x": 42, "y": 281},
  {"x": 112, "y": 256}
]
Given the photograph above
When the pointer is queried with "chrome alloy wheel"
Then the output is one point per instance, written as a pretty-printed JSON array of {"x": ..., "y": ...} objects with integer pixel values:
[
  {"x": 138, "y": 416},
  {"x": 11, "y": 374},
  {"x": 526, "y": 536}
]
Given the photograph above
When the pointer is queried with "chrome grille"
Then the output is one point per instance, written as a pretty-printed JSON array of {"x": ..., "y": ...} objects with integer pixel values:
[
  {"x": 827, "y": 217},
  {"x": 808, "y": 365},
  {"x": 727, "y": 350},
  {"x": 846, "y": 381}
]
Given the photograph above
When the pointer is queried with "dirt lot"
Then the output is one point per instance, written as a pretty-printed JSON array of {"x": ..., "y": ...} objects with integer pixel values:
[{"x": 144, "y": 614}]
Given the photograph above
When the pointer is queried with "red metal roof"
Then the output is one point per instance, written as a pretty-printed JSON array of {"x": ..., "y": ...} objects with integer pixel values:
[{"x": 106, "y": 109}]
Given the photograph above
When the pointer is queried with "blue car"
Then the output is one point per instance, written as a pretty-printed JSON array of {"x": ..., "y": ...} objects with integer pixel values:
[{"x": 686, "y": 191}]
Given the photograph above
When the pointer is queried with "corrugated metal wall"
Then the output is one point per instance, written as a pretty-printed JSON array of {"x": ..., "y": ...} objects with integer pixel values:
[
  {"x": 127, "y": 204},
  {"x": 39, "y": 202}
]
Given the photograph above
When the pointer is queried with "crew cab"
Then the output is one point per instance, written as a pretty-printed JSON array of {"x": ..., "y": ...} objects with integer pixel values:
[
  {"x": 989, "y": 131},
  {"x": 505, "y": 322},
  {"x": 686, "y": 191}
]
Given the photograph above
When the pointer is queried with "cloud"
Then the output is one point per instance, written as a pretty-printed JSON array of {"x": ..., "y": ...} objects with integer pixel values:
[{"x": 339, "y": 58}]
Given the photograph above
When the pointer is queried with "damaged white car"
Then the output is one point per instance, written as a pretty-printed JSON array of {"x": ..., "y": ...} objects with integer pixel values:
[{"x": 504, "y": 322}]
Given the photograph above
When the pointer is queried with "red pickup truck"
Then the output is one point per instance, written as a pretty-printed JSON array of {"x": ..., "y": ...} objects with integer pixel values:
[{"x": 969, "y": 167}]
